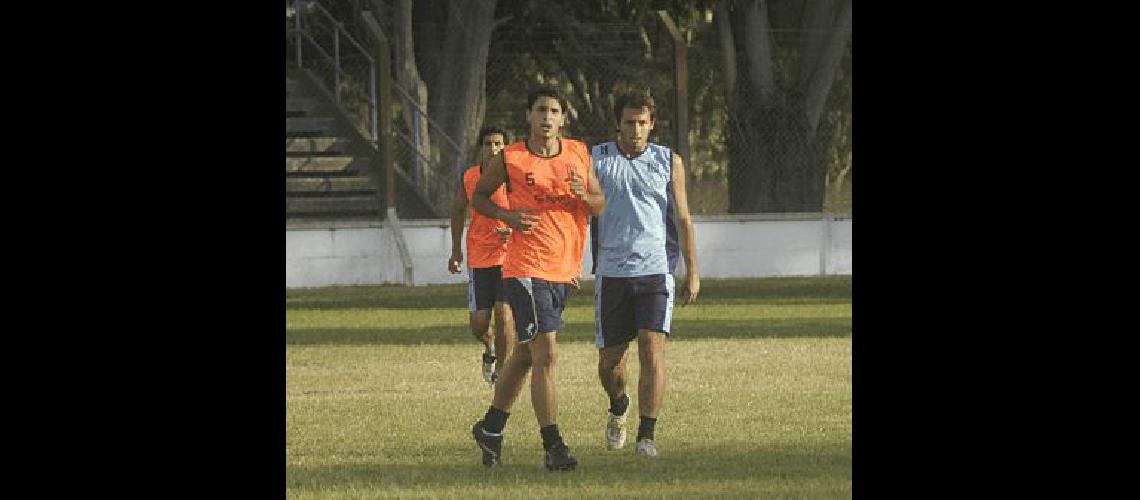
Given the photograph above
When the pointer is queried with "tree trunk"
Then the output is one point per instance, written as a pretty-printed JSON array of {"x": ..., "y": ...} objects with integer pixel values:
[
  {"x": 776, "y": 162},
  {"x": 408, "y": 77},
  {"x": 458, "y": 94},
  {"x": 470, "y": 25},
  {"x": 817, "y": 20},
  {"x": 728, "y": 52},
  {"x": 758, "y": 39},
  {"x": 824, "y": 75}
]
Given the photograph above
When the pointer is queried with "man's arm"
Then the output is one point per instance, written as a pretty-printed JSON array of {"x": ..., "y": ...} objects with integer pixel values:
[
  {"x": 685, "y": 230},
  {"x": 591, "y": 194},
  {"x": 458, "y": 210},
  {"x": 494, "y": 174}
]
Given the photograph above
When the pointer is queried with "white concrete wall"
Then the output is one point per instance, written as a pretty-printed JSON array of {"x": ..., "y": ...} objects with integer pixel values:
[
  {"x": 727, "y": 247},
  {"x": 840, "y": 251}
]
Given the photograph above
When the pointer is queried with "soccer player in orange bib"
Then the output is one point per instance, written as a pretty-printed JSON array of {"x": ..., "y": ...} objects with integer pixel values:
[
  {"x": 486, "y": 249},
  {"x": 552, "y": 191}
]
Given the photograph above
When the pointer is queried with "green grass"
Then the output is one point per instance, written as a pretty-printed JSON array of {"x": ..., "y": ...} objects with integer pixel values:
[{"x": 383, "y": 383}]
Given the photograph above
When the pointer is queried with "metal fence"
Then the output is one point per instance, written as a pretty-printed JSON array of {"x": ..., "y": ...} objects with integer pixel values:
[
  {"x": 338, "y": 60},
  {"x": 741, "y": 158},
  {"x": 590, "y": 68},
  {"x": 421, "y": 147},
  {"x": 332, "y": 41},
  {"x": 747, "y": 152}
]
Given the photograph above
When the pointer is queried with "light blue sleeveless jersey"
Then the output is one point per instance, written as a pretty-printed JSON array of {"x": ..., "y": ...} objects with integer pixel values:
[{"x": 636, "y": 235}]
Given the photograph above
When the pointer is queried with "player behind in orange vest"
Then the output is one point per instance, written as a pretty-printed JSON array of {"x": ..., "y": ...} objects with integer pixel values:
[
  {"x": 552, "y": 190},
  {"x": 486, "y": 248}
]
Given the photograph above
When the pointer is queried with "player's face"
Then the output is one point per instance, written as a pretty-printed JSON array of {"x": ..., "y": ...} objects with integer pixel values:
[
  {"x": 546, "y": 117},
  {"x": 492, "y": 144},
  {"x": 634, "y": 128}
]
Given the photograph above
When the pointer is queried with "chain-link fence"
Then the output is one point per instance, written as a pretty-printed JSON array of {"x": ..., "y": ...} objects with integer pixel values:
[
  {"x": 786, "y": 130},
  {"x": 747, "y": 152},
  {"x": 590, "y": 66},
  {"x": 760, "y": 136},
  {"x": 770, "y": 109}
]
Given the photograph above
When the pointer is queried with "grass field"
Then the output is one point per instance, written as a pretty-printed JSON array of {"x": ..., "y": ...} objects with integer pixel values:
[{"x": 383, "y": 384}]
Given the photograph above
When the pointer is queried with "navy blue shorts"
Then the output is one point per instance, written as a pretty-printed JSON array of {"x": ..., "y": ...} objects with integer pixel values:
[
  {"x": 484, "y": 288},
  {"x": 537, "y": 305},
  {"x": 622, "y": 306}
]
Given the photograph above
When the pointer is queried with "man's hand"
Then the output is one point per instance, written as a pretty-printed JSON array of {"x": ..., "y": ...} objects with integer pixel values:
[
  {"x": 693, "y": 287},
  {"x": 504, "y": 234},
  {"x": 575, "y": 283},
  {"x": 577, "y": 186},
  {"x": 453, "y": 264},
  {"x": 520, "y": 219}
]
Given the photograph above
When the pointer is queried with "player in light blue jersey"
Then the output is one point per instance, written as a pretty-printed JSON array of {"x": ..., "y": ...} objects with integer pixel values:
[{"x": 635, "y": 247}]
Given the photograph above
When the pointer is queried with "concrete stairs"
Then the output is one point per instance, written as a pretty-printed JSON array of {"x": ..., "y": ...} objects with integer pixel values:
[{"x": 329, "y": 174}]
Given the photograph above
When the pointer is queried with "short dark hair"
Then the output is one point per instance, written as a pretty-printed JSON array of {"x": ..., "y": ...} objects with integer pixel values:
[
  {"x": 488, "y": 130},
  {"x": 546, "y": 91},
  {"x": 633, "y": 99}
]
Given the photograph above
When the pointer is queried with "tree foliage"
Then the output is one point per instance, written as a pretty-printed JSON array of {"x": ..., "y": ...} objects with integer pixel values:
[{"x": 769, "y": 81}]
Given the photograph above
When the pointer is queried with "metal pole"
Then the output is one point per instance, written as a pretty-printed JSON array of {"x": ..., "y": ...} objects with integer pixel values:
[
  {"x": 297, "y": 25},
  {"x": 418, "y": 142},
  {"x": 336, "y": 60},
  {"x": 825, "y": 251},
  {"x": 383, "y": 75},
  {"x": 681, "y": 87},
  {"x": 372, "y": 100},
  {"x": 383, "y": 72}
]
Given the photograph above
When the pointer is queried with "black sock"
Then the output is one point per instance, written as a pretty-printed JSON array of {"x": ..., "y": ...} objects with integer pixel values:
[
  {"x": 645, "y": 428},
  {"x": 619, "y": 405},
  {"x": 495, "y": 420},
  {"x": 550, "y": 436}
]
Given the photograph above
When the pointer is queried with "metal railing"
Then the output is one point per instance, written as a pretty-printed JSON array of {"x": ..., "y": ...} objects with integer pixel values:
[
  {"x": 354, "y": 93},
  {"x": 334, "y": 57},
  {"x": 427, "y": 156}
]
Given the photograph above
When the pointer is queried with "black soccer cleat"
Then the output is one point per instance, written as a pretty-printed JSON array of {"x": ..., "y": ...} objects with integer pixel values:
[
  {"x": 490, "y": 444},
  {"x": 558, "y": 458}
]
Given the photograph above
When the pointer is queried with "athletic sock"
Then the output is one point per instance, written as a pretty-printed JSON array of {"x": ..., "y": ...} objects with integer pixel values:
[
  {"x": 619, "y": 405},
  {"x": 495, "y": 420},
  {"x": 550, "y": 436},
  {"x": 645, "y": 428}
]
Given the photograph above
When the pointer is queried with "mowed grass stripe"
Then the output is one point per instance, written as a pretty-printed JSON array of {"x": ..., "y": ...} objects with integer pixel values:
[
  {"x": 758, "y": 400},
  {"x": 741, "y": 417},
  {"x": 388, "y": 319},
  {"x": 827, "y": 289}
]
